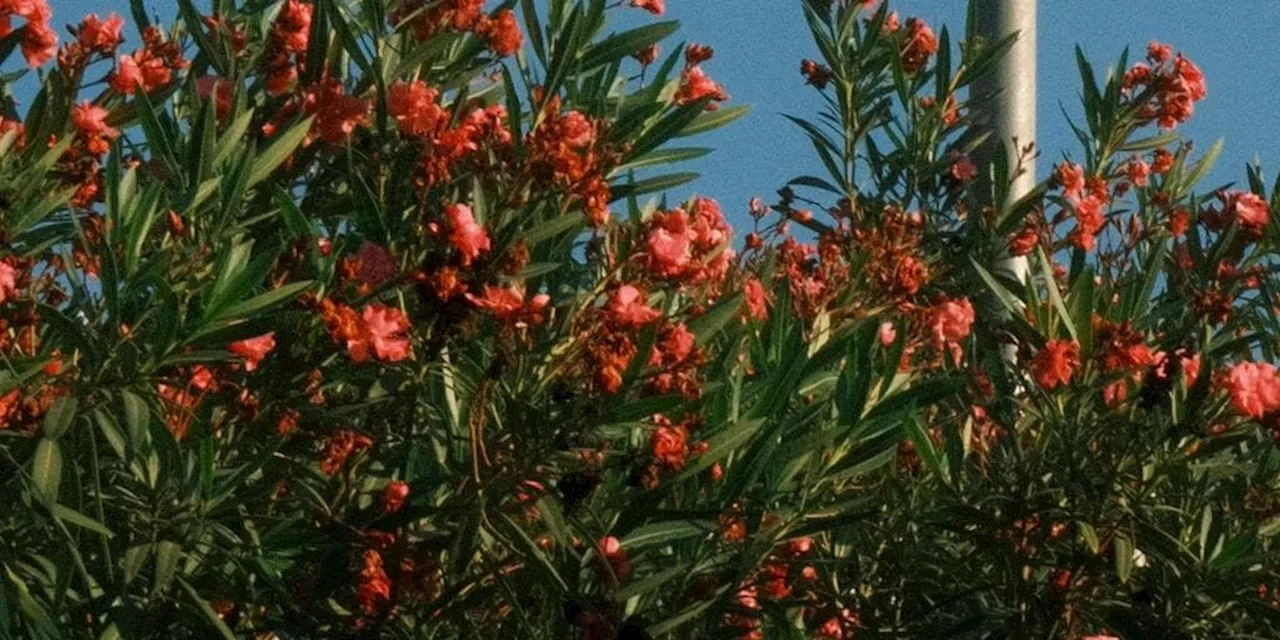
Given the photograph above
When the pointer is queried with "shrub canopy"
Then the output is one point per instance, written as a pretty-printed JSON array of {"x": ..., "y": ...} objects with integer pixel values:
[{"x": 339, "y": 318}]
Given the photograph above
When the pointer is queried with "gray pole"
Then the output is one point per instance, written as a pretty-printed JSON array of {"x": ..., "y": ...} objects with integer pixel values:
[{"x": 1011, "y": 114}]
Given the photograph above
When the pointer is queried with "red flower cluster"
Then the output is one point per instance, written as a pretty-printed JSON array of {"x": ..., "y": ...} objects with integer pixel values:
[
  {"x": 813, "y": 283},
  {"x": 695, "y": 84},
  {"x": 757, "y": 299},
  {"x": 670, "y": 448},
  {"x": 815, "y": 73},
  {"x": 8, "y": 282},
  {"x": 253, "y": 350},
  {"x": 1187, "y": 363},
  {"x": 413, "y": 106},
  {"x": 1055, "y": 363},
  {"x": 219, "y": 91},
  {"x": 895, "y": 261},
  {"x": 950, "y": 111},
  {"x": 669, "y": 445},
  {"x": 656, "y": 7},
  {"x": 949, "y": 324},
  {"x": 481, "y": 128},
  {"x": 287, "y": 47},
  {"x": 376, "y": 329},
  {"x": 1245, "y": 208},
  {"x": 501, "y": 32},
  {"x": 336, "y": 114},
  {"x": 1254, "y": 389},
  {"x": 1088, "y": 198},
  {"x": 371, "y": 266},
  {"x": 178, "y": 403},
  {"x": 39, "y": 40},
  {"x": 90, "y": 121},
  {"x": 918, "y": 44},
  {"x": 1175, "y": 83},
  {"x": 689, "y": 246},
  {"x": 618, "y": 565},
  {"x": 394, "y": 496},
  {"x": 608, "y": 341},
  {"x": 150, "y": 67},
  {"x": 374, "y": 588},
  {"x": 93, "y": 35},
  {"x": 776, "y": 580},
  {"x": 339, "y": 446},
  {"x": 567, "y": 150},
  {"x": 677, "y": 359},
  {"x": 1118, "y": 348},
  {"x": 508, "y": 304},
  {"x": 468, "y": 238}
]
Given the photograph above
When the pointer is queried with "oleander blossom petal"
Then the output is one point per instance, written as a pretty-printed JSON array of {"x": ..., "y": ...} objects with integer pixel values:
[
  {"x": 1054, "y": 365},
  {"x": 656, "y": 7},
  {"x": 384, "y": 327},
  {"x": 469, "y": 238},
  {"x": 253, "y": 350},
  {"x": 1254, "y": 389}
]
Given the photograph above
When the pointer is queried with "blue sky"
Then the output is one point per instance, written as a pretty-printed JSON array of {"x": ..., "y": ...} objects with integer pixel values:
[{"x": 760, "y": 43}]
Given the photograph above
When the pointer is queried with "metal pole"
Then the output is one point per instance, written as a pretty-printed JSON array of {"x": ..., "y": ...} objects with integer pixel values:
[{"x": 1011, "y": 114}]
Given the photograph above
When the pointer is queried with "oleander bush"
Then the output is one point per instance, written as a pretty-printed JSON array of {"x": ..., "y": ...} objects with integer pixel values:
[{"x": 373, "y": 319}]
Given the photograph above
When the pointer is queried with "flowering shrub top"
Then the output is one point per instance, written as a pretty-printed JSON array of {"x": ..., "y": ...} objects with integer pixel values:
[{"x": 356, "y": 319}]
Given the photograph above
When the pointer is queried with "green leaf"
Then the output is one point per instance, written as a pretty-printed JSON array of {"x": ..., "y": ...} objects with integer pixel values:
[
  {"x": 928, "y": 451},
  {"x": 1011, "y": 303},
  {"x": 621, "y": 45},
  {"x": 720, "y": 446},
  {"x": 135, "y": 558},
  {"x": 77, "y": 334},
  {"x": 1055, "y": 296},
  {"x": 662, "y": 156},
  {"x": 1089, "y": 536},
  {"x": 531, "y": 550},
  {"x": 553, "y": 517},
  {"x": 167, "y": 555},
  {"x": 214, "y": 619},
  {"x": 662, "y": 131},
  {"x": 1092, "y": 95},
  {"x": 195, "y": 27},
  {"x": 554, "y": 227},
  {"x": 46, "y": 470},
  {"x": 854, "y": 384},
  {"x": 562, "y": 54},
  {"x": 1081, "y": 308},
  {"x": 1153, "y": 142},
  {"x": 59, "y": 417},
  {"x": 1123, "y": 548},
  {"x": 533, "y": 27},
  {"x": 159, "y": 141},
  {"x": 67, "y": 514},
  {"x": 1202, "y": 166},
  {"x": 693, "y": 612},
  {"x": 32, "y": 609},
  {"x": 275, "y": 155},
  {"x": 706, "y": 326},
  {"x": 232, "y": 139},
  {"x": 815, "y": 182},
  {"x": 652, "y": 185},
  {"x": 649, "y": 584},
  {"x": 137, "y": 419},
  {"x": 348, "y": 39},
  {"x": 263, "y": 301},
  {"x": 662, "y": 533}
]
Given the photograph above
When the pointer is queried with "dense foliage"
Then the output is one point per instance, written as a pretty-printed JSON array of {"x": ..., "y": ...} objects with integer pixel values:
[{"x": 361, "y": 318}]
